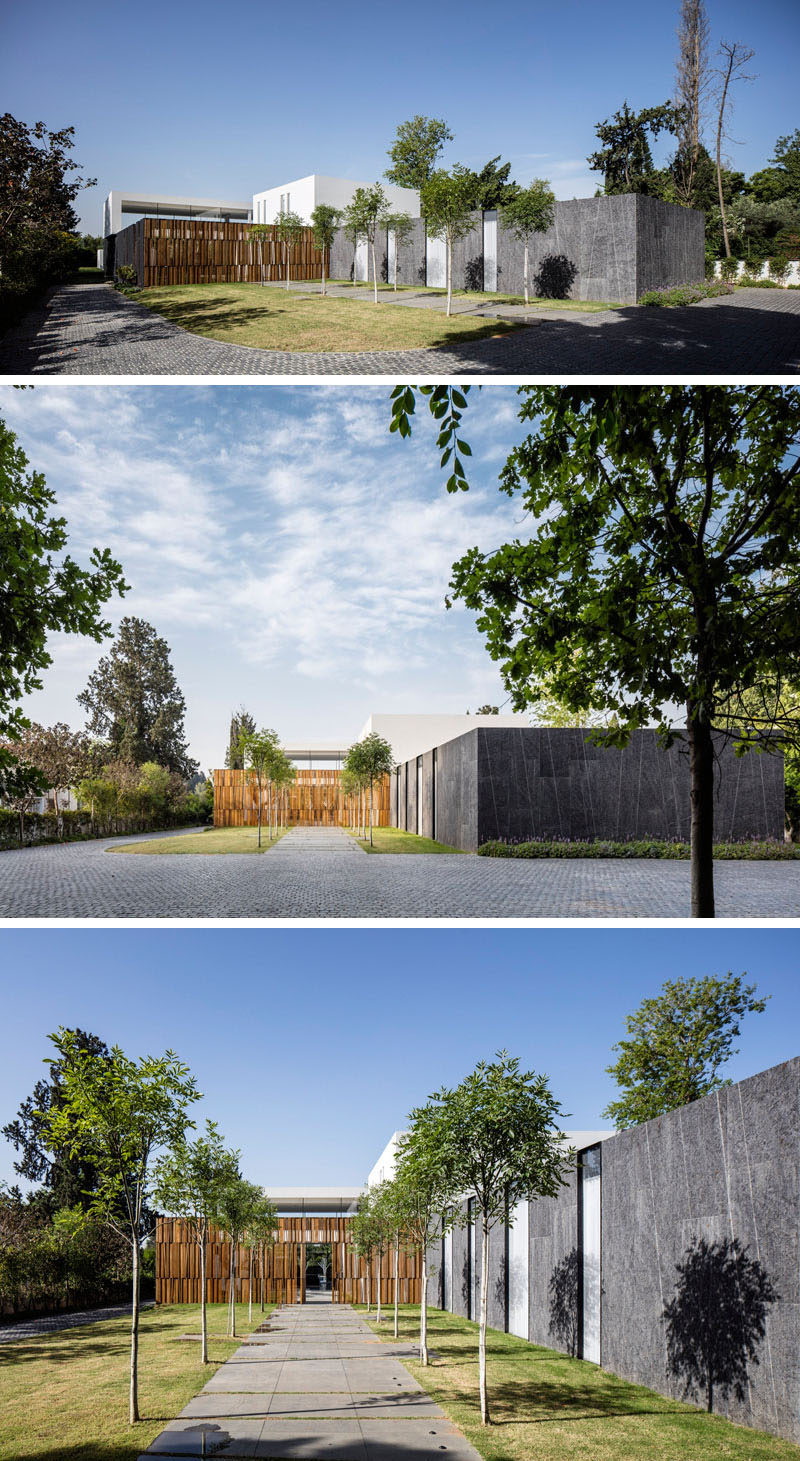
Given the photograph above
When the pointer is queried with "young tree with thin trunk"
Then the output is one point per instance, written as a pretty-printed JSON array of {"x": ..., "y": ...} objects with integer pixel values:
[
  {"x": 259, "y": 1235},
  {"x": 238, "y": 1205},
  {"x": 424, "y": 1172},
  {"x": 390, "y": 1205},
  {"x": 369, "y": 760},
  {"x": 366, "y": 214},
  {"x": 677, "y": 585},
  {"x": 363, "y": 1240},
  {"x": 401, "y": 225},
  {"x": 529, "y": 213},
  {"x": 117, "y": 1113},
  {"x": 502, "y": 1143},
  {"x": 260, "y": 751},
  {"x": 289, "y": 229},
  {"x": 448, "y": 205},
  {"x": 260, "y": 232},
  {"x": 189, "y": 1182},
  {"x": 324, "y": 221},
  {"x": 734, "y": 57}
]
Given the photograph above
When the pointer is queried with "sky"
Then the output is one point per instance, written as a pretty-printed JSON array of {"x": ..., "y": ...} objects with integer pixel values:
[
  {"x": 311, "y": 1046},
  {"x": 294, "y": 555},
  {"x": 199, "y": 100}
]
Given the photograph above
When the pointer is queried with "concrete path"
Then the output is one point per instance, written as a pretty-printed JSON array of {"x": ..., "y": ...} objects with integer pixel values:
[
  {"x": 52, "y": 1323},
  {"x": 87, "y": 880},
  {"x": 318, "y": 839},
  {"x": 89, "y": 329},
  {"x": 314, "y": 1382}
]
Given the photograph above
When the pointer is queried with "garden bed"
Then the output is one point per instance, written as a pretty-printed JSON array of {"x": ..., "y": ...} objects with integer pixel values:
[{"x": 643, "y": 847}]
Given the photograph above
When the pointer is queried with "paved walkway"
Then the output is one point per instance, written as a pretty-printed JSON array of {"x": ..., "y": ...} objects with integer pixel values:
[
  {"x": 52, "y": 1323},
  {"x": 319, "y": 839},
  {"x": 85, "y": 880},
  {"x": 315, "y": 1382},
  {"x": 89, "y": 329}
]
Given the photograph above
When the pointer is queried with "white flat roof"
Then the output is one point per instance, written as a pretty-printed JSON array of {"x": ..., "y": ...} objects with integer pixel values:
[{"x": 314, "y": 1199}]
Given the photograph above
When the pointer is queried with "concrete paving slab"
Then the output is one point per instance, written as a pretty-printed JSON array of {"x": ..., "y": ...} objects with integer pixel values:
[
  {"x": 338, "y": 1440},
  {"x": 245, "y": 1377},
  {"x": 337, "y": 1405},
  {"x": 398, "y": 1440},
  {"x": 384, "y": 1376},
  {"x": 313, "y": 1376},
  {"x": 211, "y": 1405},
  {"x": 233, "y": 1436}
]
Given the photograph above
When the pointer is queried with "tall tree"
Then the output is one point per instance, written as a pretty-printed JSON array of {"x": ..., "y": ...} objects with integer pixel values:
[
  {"x": 662, "y": 568},
  {"x": 529, "y": 212},
  {"x": 415, "y": 150},
  {"x": 429, "y": 1189},
  {"x": 676, "y": 1043},
  {"x": 786, "y": 158},
  {"x": 117, "y": 1112},
  {"x": 448, "y": 206},
  {"x": 369, "y": 760},
  {"x": 494, "y": 187},
  {"x": 692, "y": 84},
  {"x": 289, "y": 229},
  {"x": 41, "y": 591},
  {"x": 242, "y": 725},
  {"x": 325, "y": 220},
  {"x": 364, "y": 216},
  {"x": 20, "y": 783},
  {"x": 63, "y": 757},
  {"x": 190, "y": 1181},
  {"x": 133, "y": 700},
  {"x": 625, "y": 159},
  {"x": 38, "y": 187},
  {"x": 733, "y": 59},
  {"x": 500, "y": 1133}
]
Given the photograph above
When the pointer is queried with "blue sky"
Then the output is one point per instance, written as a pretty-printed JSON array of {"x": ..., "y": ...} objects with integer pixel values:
[
  {"x": 311, "y": 1046},
  {"x": 293, "y": 554},
  {"x": 205, "y": 100}
]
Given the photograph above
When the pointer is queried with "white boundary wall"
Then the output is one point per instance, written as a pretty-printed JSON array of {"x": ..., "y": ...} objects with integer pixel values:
[{"x": 792, "y": 277}]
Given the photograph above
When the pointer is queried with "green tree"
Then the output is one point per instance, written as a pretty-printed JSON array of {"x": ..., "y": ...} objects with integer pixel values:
[
  {"x": 662, "y": 569},
  {"x": 42, "y": 592},
  {"x": 364, "y": 1236},
  {"x": 414, "y": 152},
  {"x": 116, "y": 1113},
  {"x": 259, "y": 1235},
  {"x": 447, "y": 205},
  {"x": 133, "y": 700},
  {"x": 494, "y": 188},
  {"x": 503, "y": 1144},
  {"x": 402, "y": 226},
  {"x": 20, "y": 784},
  {"x": 189, "y": 1182},
  {"x": 692, "y": 87},
  {"x": 260, "y": 233},
  {"x": 63, "y": 757},
  {"x": 786, "y": 158},
  {"x": 531, "y": 211},
  {"x": 238, "y": 1205},
  {"x": 289, "y": 229},
  {"x": 260, "y": 752},
  {"x": 625, "y": 159},
  {"x": 325, "y": 220},
  {"x": 676, "y": 1043},
  {"x": 364, "y": 216},
  {"x": 38, "y": 187},
  {"x": 423, "y": 1171},
  {"x": 733, "y": 59},
  {"x": 369, "y": 760}
]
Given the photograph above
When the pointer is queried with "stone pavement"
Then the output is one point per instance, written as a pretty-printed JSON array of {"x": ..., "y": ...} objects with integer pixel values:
[
  {"x": 319, "y": 839},
  {"x": 85, "y": 880},
  {"x": 314, "y": 1382},
  {"x": 51, "y": 1323},
  {"x": 89, "y": 329}
]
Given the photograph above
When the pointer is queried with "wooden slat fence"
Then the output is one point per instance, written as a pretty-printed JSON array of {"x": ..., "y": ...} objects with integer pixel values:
[
  {"x": 315, "y": 799},
  {"x": 178, "y": 1265},
  {"x": 204, "y": 251}
]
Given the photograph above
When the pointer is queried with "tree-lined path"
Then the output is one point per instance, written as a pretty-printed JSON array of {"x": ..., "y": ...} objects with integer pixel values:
[
  {"x": 314, "y": 1382},
  {"x": 88, "y": 329}
]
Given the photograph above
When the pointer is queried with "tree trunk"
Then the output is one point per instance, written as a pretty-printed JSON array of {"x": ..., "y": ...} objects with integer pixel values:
[
  {"x": 22, "y": 829},
  {"x": 395, "y": 263},
  {"x": 232, "y": 1297},
  {"x": 133, "y": 1405},
  {"x": 369, "y": 1283},
  {"x": 371, "y": 810},
  {"x": 250, "y": 1289},
  {"x": 258, "y": 813},
  {"x": 423, "y": 1310},
  {"x": 482, "y": 1336},
  {"x": 449, "y": 274},
  {"x": 720, "y": 124},
  {"x": 396, "y": 1279},
  {"x": 701, "y": 772},
  {"x": 203, "y": 1314},
  {"x": 323, "y": 268},
  {"x": 262, "y": 1262},
  {"x": 374, "y": 269},
  {"x": 527, "y": 297},
  {"x": 378, "y": 1284}
]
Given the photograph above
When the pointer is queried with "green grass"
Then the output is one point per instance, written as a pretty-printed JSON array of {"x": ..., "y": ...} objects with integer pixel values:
[
  {"x": 393, "y": 839},
  {"x": 586, "y": 306},
  {"x": 247, "y": 314},
  {"x": 548, "y": 1407},
  {"x": 215, "y": 840},
  {"x": 64, "y": 1396}
]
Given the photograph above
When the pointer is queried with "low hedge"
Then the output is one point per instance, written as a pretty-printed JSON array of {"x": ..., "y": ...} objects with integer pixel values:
[
  {"x": 678, "y": 294},
  {"x": 42, "y": 827},
  {"x": 643, "y": 847}
]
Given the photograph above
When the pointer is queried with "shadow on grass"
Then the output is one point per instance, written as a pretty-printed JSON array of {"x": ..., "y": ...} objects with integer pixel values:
[
  {"x": 547, "y": 1403},
  {"x": 69, "y": 1344}
]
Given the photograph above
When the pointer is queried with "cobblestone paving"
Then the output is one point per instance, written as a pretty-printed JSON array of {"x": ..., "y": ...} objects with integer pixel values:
[
  {"x": 51, "y": 1323},
  {"x": 84, "y": 880},
  {"x": 88, "y": 329}
]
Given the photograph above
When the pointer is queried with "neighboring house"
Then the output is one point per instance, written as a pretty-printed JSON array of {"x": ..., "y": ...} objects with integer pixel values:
[{"x": 303, "y": 195}]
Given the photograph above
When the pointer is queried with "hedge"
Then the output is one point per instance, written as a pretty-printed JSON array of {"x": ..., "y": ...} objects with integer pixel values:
[
  {"x": 78, "y": 826},
  {"x": 643, "y": 847}
]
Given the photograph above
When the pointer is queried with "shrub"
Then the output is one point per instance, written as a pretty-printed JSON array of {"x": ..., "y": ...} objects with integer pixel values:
[
  {"x": 778, "y": 267},
  {"x": 680, "y": 294},
  {"x": 126, "y": 277},
  {"x": 649, "y": 847},
  {"x": 729, "y": 268}
]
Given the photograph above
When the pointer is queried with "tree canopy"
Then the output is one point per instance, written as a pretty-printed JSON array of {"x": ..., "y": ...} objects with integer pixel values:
[
  {"x": 625, "y": 159},
  {"x": 415, "y": 150},
  {"x": 133, "y": 700}
]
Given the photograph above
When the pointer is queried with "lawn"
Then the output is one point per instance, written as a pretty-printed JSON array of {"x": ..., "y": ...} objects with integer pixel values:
[
  {"x": 548, "y": 1407},
  {"x": 394, "y": 839},
  {"x": 64, "y": 1396},
  {"x": 215, "y": 840},
  {"x": 480, "y": 296},
  {"x": 247, "y": 314}
]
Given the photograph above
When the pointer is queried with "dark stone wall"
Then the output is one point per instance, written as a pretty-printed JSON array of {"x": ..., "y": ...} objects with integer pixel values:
[
  {"x": 670, "y": 244},
  {"x": 126, "y": 247},
  {"x": 725, "y": 1166},
  {"x": 553, "y": 1223},
  {"x": 457, "y": 791},
  {"x": 427, "y": 794}
]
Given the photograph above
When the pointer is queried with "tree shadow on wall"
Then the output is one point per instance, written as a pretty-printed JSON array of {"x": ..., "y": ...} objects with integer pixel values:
[
  {"x": 717, "y": 1318},
  {"x": 555, "y": 277},
  {"x": 563, "y": 1290},
  {"x": 473, "y": 273}
]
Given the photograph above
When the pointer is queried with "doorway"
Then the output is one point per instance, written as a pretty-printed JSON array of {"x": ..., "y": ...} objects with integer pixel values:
[{"x": 317, "y": 1275}]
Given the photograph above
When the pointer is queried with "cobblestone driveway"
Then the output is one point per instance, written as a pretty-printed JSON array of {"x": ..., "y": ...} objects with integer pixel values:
[
  {"x": 85, "y": 881},
  {"x": 88, "y": 329}
]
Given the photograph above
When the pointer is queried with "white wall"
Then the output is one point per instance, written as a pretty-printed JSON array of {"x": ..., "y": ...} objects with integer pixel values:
[
  {"x": 304, "y": 193},
  {"x": 413, "y": 735},
  {"x": 518, "y": 1271},
  {"x": 383, "y": 1171},
  {"x": 793, "y": 276}
]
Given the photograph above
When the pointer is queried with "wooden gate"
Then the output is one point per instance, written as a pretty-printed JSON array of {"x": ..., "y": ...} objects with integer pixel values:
[{"x": 314, "y": 799}]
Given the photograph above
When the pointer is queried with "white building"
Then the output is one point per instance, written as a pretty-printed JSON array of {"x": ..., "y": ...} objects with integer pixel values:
[
  {"x": 413, "y": 735},
  {"x": 143, "y": 204},
  {"x": 303, "y": 195}
]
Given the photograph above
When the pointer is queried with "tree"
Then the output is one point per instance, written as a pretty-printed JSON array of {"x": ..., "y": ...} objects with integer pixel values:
[
  {"x": 676, "y": 1043},
  {"x": 502, "y": 1142},
  {"x": 493, "y": 187},
  {"x": 238, "y": 1205},
  {"x": 63, "y": 757},
  {"x": 117, "y": 1112},
  {"x": 402, "y": 226},
  {"x": 260, "y": 752},
  {"x": 324, "y": 221},
  {"x": 395, "y": 1207},
  {"x": 447, "y": 204},
  {"x": 289, "y": 229},
  {"x": 423, "y": 1171},
  {"x": 663, "y": 566},
  {"x": 133, "y": 700},
  {"x": 259, "y": 1235},
  {"x": 190, "y": 1182},
  {"x": 364, "y": 1237},
  {"x": 37, "y": 191},
  {"x": 530, "y": 212},
  {"x": 364, "y": 215},
  {"x": 21, "y": 782},
  {"x": 786, "y": 158},
  {"x": 625, "y": 159},
  {"x": 369, "y": 760},
  {"x": 717, "y": 1317},
  {"x": 261, "y": 233},
  {"x": 692, "y": 83},
  {"x": 415, "y": 150},
  {"x": 734, "y": 57},
  {"x": 41, "y": 592},
  {"x": 242, "y": 725}
]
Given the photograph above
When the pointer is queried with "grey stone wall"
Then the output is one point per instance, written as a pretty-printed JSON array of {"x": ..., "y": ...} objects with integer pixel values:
[
  {"x": 536, "y": 782},
  {"x": 553, "y": 1223},
  {"x": 726, "y": 1166},
  {"x": 670, "y": 245},
  {"x": 126, "y": 247}
]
